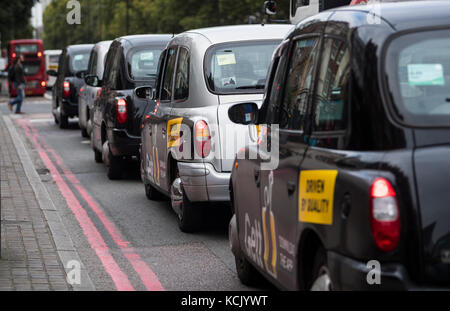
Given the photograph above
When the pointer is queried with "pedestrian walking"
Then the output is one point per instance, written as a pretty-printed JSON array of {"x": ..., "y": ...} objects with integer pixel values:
[{"x": 18, "y": 80}]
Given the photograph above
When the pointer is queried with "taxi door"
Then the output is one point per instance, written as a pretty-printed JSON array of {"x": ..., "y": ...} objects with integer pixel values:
[
  {"x": 160, "y": 117},
  {"x": 324, "y": 192},
  {"x": 290, "y": 96}
]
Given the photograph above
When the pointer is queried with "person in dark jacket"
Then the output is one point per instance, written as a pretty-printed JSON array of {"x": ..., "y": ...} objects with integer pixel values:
[{"x": 19, "y": 85}]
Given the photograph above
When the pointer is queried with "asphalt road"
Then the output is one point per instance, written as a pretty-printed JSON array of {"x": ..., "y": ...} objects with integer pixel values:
[{"x": 131, "y": 227}]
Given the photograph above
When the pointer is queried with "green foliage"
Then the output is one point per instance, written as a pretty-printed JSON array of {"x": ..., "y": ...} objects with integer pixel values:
[
  {"x": 15, "y": 20},
  {"x": 107, "y": 19}
]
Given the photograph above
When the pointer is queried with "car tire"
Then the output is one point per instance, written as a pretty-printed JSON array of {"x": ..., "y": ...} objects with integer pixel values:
[
  {"x": 152, "y": 193},
  {"x": 113, "y": 164},
  {"x": 98, "y": 157},
  {"x": 84, "y": 133},
  {"x": 63, "y": 121},
  {"x": 189, "y": 216},
  {"x": 247, "y": 274},
  {"x": 56, "y": 120},
  {"x": 321, "y": 278}
]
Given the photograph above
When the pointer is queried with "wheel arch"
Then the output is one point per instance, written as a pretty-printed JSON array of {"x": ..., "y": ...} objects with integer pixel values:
[{"x": 309, "y": 244}]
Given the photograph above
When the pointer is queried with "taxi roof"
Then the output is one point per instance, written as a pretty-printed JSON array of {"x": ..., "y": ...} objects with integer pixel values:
[
  {"x": 402, "y": 15},
  {"x": 243, "y": 32}
]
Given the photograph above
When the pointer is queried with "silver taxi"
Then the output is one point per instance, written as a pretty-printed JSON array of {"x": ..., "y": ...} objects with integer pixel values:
[{"x": 188, "y": 140}]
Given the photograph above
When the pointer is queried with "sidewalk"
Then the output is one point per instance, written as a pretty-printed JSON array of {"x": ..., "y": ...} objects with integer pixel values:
[{"x": 29, "y": 258}]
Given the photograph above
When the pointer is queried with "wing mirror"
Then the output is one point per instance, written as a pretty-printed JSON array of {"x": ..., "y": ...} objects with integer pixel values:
[
  {"x": 270, "y": 7},
  {"x": 92, "y": 80},
  {"x": 144, "y": 92},
  {"x": 52, "y": 73},
  {"x": 246, "y": 113},
  {"x": 80, "y": 74}
]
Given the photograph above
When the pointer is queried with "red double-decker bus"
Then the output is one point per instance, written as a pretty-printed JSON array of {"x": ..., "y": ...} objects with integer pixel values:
[{"x": 33, "y": 66}]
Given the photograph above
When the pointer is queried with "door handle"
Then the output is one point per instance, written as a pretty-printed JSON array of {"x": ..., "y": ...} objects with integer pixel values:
[
  {"x": 256, "y": 175},
  {"x": 291, "y": 187}
]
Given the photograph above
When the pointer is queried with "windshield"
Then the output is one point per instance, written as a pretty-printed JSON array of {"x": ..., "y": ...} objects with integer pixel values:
[
  {"x": 418, "y": 72},
  {"x": 239, "y": 67},
  {"x": 143, "y": 63},
  {"x": 79, "y": 61}
]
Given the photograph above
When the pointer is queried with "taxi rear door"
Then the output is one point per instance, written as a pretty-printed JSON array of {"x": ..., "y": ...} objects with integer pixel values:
[{"x": 291, "y": 93}]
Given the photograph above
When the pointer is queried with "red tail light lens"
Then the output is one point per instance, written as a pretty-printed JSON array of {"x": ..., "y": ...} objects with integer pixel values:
[
  {"x": 66, "y": 88},
  {"x": 384, "y": 215},
  {"x": 202, "y": 139},
  {"x": 99, "y": 92},
  {"x": 121, "y": 111}
]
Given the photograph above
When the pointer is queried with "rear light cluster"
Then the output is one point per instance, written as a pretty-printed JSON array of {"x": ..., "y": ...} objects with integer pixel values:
[
  {"x": 121, "y": 111},
  {"x": 99, "y": 92},
  {"x": 384, "y": 215},
  {"x": 66, "y": 89},
  {"x": 202, "y": 139}
]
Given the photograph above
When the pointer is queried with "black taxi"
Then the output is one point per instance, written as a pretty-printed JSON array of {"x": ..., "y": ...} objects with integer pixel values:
[{"x": 346, "y": 182}]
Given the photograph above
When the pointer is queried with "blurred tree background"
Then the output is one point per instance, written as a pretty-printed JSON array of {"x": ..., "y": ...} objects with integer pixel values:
[
  {"x": 15, "y": 20},
  {"x": 107, "y": 19}
]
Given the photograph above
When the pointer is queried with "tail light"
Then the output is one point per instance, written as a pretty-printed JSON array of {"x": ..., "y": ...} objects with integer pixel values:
[
  {"x": 202, "y": 139},
  {"x": 121, "y": 111},
  {"x": 81, "y": 90},
  {"x": 99, "y": 92},
  {"x": 66, "y": 88},
  {"x": 384, "y": 215}
]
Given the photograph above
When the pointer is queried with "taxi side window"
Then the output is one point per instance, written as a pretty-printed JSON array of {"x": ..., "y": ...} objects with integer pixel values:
[
  {"x": 182, "y": 75},
  {"x": 92, "y": 67},
  {"x": 330, "y": 105},
  {"x": 299, "y": 84},
  {"x": 166, "y": 87},
  {"x": 108, "y": 66}
]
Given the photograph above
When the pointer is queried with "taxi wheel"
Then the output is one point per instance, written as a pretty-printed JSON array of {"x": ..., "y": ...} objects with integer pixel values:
[
  {"x": 189, "y": 215},
  {"x": 152, "y": 193},
  {"x": 321, "y": 279},
  {"x": 246, "y": 272},
  {"x": 97, "y": 154},
  {"x": 113, "y": 164},
  {"x": 63, "y": 122},
  {"x": 84, "y": 133}
]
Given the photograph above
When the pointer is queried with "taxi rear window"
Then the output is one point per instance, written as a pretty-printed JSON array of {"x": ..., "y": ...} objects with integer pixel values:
[{"x": 418, "y": 77}]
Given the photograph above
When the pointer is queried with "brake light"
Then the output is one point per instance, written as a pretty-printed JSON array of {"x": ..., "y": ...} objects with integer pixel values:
[
  {"x": 99, "y": 92},
  {"x": 202, "y": 139},
  {"x": 384, "y": 215},
  {"x": 66, "y": 88},
  {"x": 121, "y": 111},
  {"x": 14, "y": 55},
  {"x": 81, "y": 90},
  {"x": 43, "y": 83}
]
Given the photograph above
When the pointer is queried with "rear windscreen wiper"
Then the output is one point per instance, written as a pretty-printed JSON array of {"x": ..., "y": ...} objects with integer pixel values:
[{"x": 257, "y": 86}]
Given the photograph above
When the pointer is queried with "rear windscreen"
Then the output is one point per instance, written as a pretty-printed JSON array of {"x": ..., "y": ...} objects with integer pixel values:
[
  {"x": 26, "y": 48},
  {"x": 418, "y": 73},
  {"x": 79, "y": 61},
  {"x": 143, "y": 63},
  {"x": 31, "y": 68}
]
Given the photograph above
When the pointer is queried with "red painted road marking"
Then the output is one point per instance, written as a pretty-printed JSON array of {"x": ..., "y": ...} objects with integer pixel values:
[
  {"x": 147, "y": 276},
  {"x": 90, "y": 231}
]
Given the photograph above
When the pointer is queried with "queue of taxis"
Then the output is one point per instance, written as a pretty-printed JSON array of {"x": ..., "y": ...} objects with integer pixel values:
[{"x": 344, "y": 184}]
